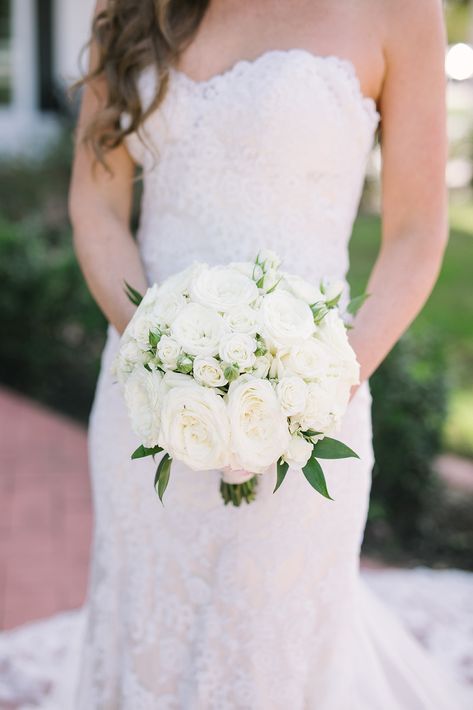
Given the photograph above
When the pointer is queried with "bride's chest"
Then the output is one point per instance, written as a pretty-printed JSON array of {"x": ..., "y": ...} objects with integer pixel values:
[{"x": 288, "y": 110}]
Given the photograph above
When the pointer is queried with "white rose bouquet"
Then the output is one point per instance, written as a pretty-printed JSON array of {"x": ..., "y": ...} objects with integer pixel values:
[{"x": 238, "y": 368}]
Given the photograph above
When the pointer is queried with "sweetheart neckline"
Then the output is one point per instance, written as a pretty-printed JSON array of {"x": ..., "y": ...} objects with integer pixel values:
[{"x": 346, "y": 65}]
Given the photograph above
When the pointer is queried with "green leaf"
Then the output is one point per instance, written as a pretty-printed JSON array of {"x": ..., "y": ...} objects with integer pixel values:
[
  {"x": 314, "y": 474},
  {"x": 154, "y": 338},
  {"x": 356, "y": 303},
  {"x": 231, "y": 372},
  {"x": 185, "y": 364},
  {"x": 281, "y": 468},
  {"x": 328, "y": 448},
  {"x": 142, "y": 451},
  {"x": 163, "y": 472},
  {"x": 134, "y": 295}
]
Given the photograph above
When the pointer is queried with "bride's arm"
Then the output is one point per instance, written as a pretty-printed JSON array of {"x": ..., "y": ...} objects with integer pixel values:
[
  {"x": 100, "y": 208},
  {"x": 414, "y": 195}
]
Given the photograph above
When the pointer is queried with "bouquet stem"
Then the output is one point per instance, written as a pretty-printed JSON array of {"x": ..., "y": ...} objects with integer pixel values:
[{"x": 237, "y": 492}]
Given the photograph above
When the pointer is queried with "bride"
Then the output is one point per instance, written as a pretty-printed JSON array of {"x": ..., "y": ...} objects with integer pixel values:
[{"x": 252, "y": 122}]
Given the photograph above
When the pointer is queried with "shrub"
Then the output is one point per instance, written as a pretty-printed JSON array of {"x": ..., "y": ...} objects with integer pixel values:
[
  {"x": 53, "y": 331},
  {"x": 409, "y": 408}
]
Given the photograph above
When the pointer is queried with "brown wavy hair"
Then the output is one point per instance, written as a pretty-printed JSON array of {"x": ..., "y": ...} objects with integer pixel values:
[{"x": 131, "y": 35}]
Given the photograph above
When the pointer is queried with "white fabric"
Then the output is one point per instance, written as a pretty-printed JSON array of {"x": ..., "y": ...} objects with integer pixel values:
[{"x": 198, "y": 606}]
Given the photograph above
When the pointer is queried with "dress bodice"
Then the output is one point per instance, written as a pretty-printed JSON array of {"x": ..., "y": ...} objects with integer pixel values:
[{"x": 269, "y": 154}]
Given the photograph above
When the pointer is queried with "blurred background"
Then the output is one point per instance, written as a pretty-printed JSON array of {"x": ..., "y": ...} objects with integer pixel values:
[{"x": 52, "y": 335}]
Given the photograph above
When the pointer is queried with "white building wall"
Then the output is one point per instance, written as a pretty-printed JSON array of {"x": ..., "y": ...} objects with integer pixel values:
[
  {"x": 72, "y": 24},
  {"x": 23, "y": 128}
]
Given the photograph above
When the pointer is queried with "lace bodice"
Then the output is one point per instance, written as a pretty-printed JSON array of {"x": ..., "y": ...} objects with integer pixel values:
[{"x": 271, "y": 153}]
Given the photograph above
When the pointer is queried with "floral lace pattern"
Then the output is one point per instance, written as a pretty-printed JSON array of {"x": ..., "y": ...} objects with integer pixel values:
[{"x": 195, "y": 606}]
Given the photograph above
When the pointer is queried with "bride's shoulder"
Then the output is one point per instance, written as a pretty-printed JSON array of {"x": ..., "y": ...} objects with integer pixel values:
[
  {"x": 412, "y": 28},
  {"x": 409, "y": 17}
]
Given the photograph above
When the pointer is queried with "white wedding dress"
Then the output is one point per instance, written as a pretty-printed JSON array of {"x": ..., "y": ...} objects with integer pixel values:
[{"x": 194, "y": 605}]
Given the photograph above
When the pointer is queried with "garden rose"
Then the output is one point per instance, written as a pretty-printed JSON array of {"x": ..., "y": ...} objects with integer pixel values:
[
  {"x": 262, "y": 365},
  {"x": 208, "y": 372},
  {"x": 285, "y": 319},
  {"x": 333, "y": 335},
  {"x": 298, "y": 452},
  {"x": 167, "y": 308},
  {"x": 168, "y": 351},
  {"x": 292, "y": 394},
  {"x": 332, "y": 288},
  {"x": 129, "y": 356},
  {"x": 300, "y": 288},
  {"x": 238, "y": 348},
  {"x": 259, "y": 427},
  {"x": 195, "y": 427},
  {"x": 198, "y": 330},
  {"x": 242, "y": 319},
  {"x": 141, "y": 392},
  {"x": 310, "y": 359},
  {"x": 325, "y": 405},
  {"x": 222, "y": 288}
]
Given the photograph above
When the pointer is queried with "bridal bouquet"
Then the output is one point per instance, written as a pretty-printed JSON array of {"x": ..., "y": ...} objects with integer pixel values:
[{"x": 238, "y": 368}]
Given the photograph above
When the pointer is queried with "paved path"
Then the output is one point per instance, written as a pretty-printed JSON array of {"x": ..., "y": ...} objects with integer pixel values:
[{"x": 45, "y": 510}]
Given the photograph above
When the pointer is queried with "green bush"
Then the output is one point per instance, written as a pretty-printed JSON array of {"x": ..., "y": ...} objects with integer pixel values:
[
  {"x": 409, "y": 408},
  {"x": 53, "y": 331}
]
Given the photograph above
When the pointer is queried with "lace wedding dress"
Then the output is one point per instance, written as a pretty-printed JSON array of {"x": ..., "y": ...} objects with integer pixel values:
[{"x": 194, "y": 605}]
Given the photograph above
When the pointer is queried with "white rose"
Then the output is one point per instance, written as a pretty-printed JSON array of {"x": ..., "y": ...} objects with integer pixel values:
[
  {"x": 238, "y": 348},
  {"x": 333, "y": 335},
  {"x": 285, "y": 319},
  {"x": 179, "y": 283},
  {"x": 262, "y": 365},
  {"x": 168, "y": 351},
  {"x": 142, "y": 397},
  {"x": 271, "y": 279},
  {"x": 310, "y": 359},
  {"x": 223, "y": 288},
  {"x": 128, "y": 357},
  {"x": 167, "y": 307},
  {"x": 259, "y": 428},
  {"x": 326, "y": 403},
  {"x": 300, "y": 288},
  {"x": 175, "y": 379},
  {"x": 149, "y": 298},
  {"x": 142, "y": 320},
  {"x": 298, "y": 452},
  {"x": 139, "y": 328},
  {"x": 198, "y": 329},
  {"x": 208, "y": 372},
  {"x": 292, "y": 394},
  {"x": 249, "y": 268},
  {"x": 269, "y": 260},
  {"x": 195, "y": 428},
  {"x": 332, "y": 289},
  {"x": 242, "y": 319}
]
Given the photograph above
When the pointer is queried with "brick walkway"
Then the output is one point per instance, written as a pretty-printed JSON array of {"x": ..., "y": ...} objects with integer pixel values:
[{"x": 45, "y": 510}]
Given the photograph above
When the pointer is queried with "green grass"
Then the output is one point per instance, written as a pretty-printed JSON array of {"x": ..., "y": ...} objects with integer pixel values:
[
  {"x": 448, "y": 313},
  {"x": 457, "y": 19},
  {"x": 458, "y": 432}
]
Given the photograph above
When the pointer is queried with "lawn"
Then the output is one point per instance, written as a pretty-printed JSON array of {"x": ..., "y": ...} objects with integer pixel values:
[{"x": 448, "y": 313}]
